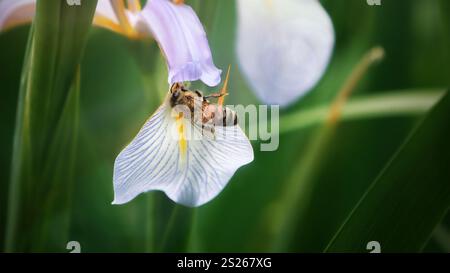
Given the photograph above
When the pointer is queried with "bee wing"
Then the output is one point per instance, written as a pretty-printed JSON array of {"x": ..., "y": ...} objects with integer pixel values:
[
  {"x": 190, "y": 171},
  {"x": 223, "y": 116}
]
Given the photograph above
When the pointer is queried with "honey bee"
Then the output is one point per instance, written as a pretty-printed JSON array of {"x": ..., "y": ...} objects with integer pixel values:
[{"x": 211, "y": 114}]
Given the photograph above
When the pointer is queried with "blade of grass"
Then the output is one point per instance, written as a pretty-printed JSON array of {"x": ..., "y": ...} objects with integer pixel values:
[
  {"x": 58, "y": 169},
  {"x": 410, "y": 196},
  {"x": 297, "y": 191},
  {"x": 46, "y": 128},
  {"x": 442, "y": 237}
]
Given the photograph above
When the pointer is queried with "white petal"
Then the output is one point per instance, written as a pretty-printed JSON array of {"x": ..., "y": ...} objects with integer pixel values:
[
  {"x": 104, "y": 8},
  {"x": 182, "y": 38},
  {"x": 155, "y": 161},
  {"x": 283, "y": 46},
  {"x": 16, "y": 12}
]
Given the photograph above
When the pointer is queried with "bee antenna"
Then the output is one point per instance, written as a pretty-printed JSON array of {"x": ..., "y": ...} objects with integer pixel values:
[{"x": 224, "y": 90}]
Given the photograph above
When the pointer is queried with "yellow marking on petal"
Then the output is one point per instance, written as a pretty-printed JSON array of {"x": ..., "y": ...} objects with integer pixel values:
[
  {"x": 181, "y": 131},
  {"x": 21, "y": 16},
  {"x": 224, "y": 89},
  {"x": 269, "y": 3},
  {"x": 120, "y": 11},
  {"x": 24, "y": 15},
  {"x": 178, "y": 2},
  {"x": 134, "y": 6},
  {"x": 105, "y": 22}
]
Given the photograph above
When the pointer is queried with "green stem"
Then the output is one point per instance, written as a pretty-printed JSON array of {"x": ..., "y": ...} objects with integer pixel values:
[
  {"x": 391, "y": 104},
  {"x": 299, "y": 189},
  {"x": 150, "y": 227},
  {"x": 178, "y": 231}
]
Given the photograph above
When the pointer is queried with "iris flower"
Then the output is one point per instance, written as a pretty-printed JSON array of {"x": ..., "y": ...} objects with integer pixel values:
[
  {"x": 163, "y": 157},
  {"x": 174, "y": 25},
  {"x": 166, "y": 156},
  {"x": 283, "y": 47}
]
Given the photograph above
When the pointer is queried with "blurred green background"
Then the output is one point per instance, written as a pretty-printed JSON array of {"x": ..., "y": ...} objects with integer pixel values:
[{"x": 328, "y": 170}]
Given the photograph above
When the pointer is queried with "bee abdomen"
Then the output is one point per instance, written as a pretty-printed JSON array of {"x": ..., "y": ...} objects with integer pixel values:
[{"x": 229, "y": 118}]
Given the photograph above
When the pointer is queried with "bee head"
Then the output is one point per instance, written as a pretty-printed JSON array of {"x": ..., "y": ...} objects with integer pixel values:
[{"x": 176, "y": 93}]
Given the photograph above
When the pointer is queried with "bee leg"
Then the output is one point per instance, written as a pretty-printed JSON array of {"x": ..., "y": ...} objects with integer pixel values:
[
  {"x": 213, "y": 131},
  {"x": 215, "y": 95}
]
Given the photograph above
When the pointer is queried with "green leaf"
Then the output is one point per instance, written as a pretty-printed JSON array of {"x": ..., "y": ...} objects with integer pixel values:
[
  {"x": 46, "y": 128},
  {"x": 411, "y": 195}
]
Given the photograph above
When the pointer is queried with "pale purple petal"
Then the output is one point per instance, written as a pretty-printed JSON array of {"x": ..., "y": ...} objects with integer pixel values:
[{"x": 183, "y": 41}]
